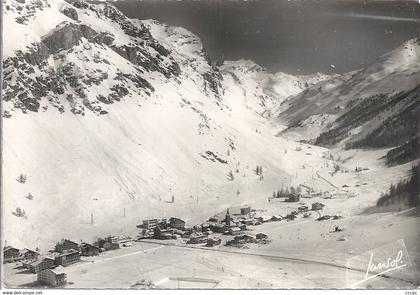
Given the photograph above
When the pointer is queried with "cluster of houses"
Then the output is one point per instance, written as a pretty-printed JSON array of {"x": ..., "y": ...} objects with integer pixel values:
[
  {"x": 297, "y": 196},
  {"x": 227, "y": 224},
  {"x": 241, "y": 240},
  {"x": 162, "y": 229},
  {"x": 234, "y": 222},
  {"x": 12, "y": 254},
  {"x": 50, "y": 268},
  {"x": 174, "y": 228},
  {"x": 293, "y": 195}
]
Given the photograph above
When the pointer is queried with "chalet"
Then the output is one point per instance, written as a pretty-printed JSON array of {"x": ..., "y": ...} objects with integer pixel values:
[
  {"x": 29, "y": 254},
  {"x": 243, "y": 227},
  {"x": 125, "y": 241},
  {"x": 264, "y": 218},
  {"x": 293, "y": 198},
  {"x": 88, "y": 250},
  {"x": 241, "y": 240},
  {"x": 176, "y": 223},
  {"x": 186, "y": 235},
  {"x": 205, "y": 226},
  {"x": 218, "y": 227},
  {"x": 290, "y": 216},
  {"x": 11, "y": 254},
  {"x": 107, "y": 243},
  {"x": 64, "y": 245},
  {"x": 317, "y": 206},
  {"x": 197, "y": 238},
  {"x": 145, "y": 234},
  {"x": 54, "y": 277},
  {"x": 187, "y": 232},
  {"x": 303, "y": 209},
  {"x": 234, "y": 230},
  {"x": 110, "y": 245},
  {"x": 68, "y": 257},
  {"x": 211, "y": 242},
  {"x": 231, "y": 214},
  {"x": 276, "y": 218},
  {"x": 261, "y": 236},
  {"x": 245, "y": 210},
  {"x": 149, "y": 224},
  {"x": 162, "y": 223},
  {"x": 153, "y": 223},
  {"x": 178, "y": 232},
  {"x": 163, "y": 234},
  {"x": 40, "y": 264}
]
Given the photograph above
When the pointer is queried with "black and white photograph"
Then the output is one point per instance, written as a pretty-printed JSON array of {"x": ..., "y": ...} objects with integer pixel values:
[{"x": 210, "y": 144}]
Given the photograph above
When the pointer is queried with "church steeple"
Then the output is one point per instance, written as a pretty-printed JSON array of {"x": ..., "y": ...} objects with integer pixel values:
[{"x": 227, "y": 218}]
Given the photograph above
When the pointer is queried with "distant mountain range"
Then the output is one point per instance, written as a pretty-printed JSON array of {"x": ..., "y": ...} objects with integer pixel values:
[
  {"x": 375, "y": 107},
  {"x": 103, "y": 113}
]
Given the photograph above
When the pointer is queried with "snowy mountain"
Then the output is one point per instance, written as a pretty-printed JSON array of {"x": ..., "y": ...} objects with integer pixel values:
[
  {"x": 269, "y": 89},
  {"x": 104, "y": 114},
  {"x": 374, "y": 107},
  {"x": 114, "y": 118}
]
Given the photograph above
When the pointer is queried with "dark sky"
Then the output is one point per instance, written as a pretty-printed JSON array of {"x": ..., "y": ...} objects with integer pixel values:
[{"x": 296, "y": 36}]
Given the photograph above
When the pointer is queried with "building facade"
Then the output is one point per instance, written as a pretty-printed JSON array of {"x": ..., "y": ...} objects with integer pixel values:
[
  {"x": 245, "y": 210},
  {"x": 66, "y": 245},
  {"x": 176, "y": 223},
  {"x": 10, "y": 254},
  {"x": 68, "y": 257},
  {"x": 40, "y": 265},
  {"x": 52, "y": 277},
  {"x": 153, "y": 223},
  {"x": 29, "y": 254}
]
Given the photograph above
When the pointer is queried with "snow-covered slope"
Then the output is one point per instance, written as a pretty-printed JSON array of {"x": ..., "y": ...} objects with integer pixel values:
[
  {"x": 103, "y": 113},
  {"x": 376, "y": 106},
  {"x": 269, "y": 89},
  {"x": 113, "y": 117}
]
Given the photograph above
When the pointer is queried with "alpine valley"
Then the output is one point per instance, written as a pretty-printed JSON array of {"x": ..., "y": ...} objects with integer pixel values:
[{"x": 114, "y": 120}]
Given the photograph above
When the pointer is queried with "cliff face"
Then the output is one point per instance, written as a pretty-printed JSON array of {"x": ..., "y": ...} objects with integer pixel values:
[{"x": 78, "y": 51}]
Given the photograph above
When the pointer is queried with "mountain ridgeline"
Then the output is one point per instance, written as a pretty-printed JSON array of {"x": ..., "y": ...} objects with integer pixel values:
[
  {"x": 106, "y": 114},
  {"x": 83, "y": 48},
  {"x": 375, "y": 107}
]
